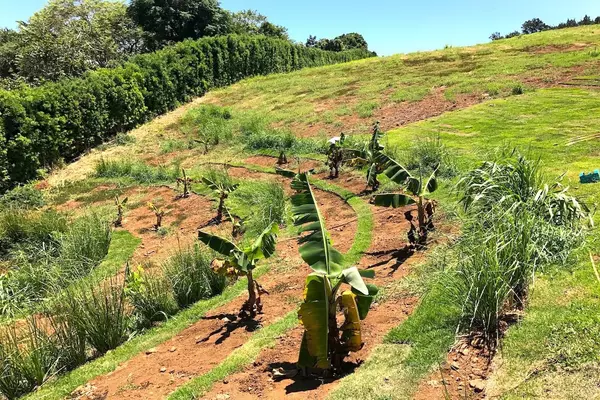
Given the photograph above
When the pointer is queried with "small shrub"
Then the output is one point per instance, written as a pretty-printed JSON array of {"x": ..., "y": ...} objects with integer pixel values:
[
  {"x": 208, "y": 125},
  {"x": 24, "y": 196},
  {"x": 123, "y": 139},
  {"x": 518, "y": 90},
  {"x": 84, "y": 245},
  {"x": 190, "y": 274},
  {"x": 151, "y": 296},
  {"x": 100, "y": 312}
]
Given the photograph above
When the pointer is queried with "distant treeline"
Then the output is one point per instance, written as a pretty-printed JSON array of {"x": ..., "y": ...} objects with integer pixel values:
[
  {"x": 41, "y": 126},
  {"x": 537, "y": 25},
  {"x": 66, "y": 38}
]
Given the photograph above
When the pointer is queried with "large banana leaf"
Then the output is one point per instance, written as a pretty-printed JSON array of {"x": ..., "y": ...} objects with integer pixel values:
[
  {"x": 218, "y": 244},
  {"x": 393, "y": 200},
  {"x": 316, "y": 249},
  {"x": 352, "y": 277},
  {"x": 264, "y": 245},
  {"x": 364, "y": 301},
  {"x": 314, "y": 315},
  {"x": 351, "y": 332},
  {"x": 218, "y": 186},
  {"x": 394, "y": 170}
]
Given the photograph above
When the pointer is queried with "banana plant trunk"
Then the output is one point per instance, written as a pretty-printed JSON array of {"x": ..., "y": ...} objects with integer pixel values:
[
  {"x": 220, "y": 208},
  {"x": 251, "y": 303},
  {"x": 421, "y": 217},
  {"x": 334, "y": 337}
]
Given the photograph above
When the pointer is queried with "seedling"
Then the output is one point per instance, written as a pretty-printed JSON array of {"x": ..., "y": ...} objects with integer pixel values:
[
  {"x": 159, "y": 212},
  {"x": 120, "y": 207},
  {"x": 222, "y": 188},
  {"x": 186, "y": 182}
]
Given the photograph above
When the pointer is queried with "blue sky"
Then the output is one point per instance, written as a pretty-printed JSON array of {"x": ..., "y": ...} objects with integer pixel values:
[{"x": 389, "y": 26}]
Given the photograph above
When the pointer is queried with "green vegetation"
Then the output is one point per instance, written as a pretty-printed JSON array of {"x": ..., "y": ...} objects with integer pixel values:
[
  {"x": 324, "y": 345},
  {"x": 136, "y": 171}
]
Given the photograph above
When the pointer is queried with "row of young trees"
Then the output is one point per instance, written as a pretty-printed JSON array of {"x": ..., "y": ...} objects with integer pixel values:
[
  {"x": 537, "y": 25},
  {"x": 69, "y": 37}
]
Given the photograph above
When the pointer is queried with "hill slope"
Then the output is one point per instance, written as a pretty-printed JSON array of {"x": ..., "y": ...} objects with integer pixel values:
[{"x": 537, "y": 93}]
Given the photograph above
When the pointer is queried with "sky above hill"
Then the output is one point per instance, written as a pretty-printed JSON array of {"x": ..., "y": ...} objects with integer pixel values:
[{"x": 389, "y": 26}]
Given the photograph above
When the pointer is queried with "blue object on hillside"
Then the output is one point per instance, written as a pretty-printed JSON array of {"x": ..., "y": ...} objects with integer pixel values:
[{"x": 589, "y": 178}]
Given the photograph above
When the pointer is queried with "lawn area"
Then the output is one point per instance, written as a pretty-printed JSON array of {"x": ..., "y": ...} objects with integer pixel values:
[{"x": 552, "y": 352}]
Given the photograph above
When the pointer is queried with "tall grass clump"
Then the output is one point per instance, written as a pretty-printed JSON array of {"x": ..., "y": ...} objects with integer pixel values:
[
  {"x": 259, "y": 203},
  {"x": 191, "y": 276},
  {"x": 84, "y": 245},
  {"x": 99, "y": 311},
  {"x": 430, "y": 154},
  {"x": 22, "y": 196},
  {"x": 135, "y": 170},
  {"x": 28, "y": 358},
  {"x": 151, "y": 295},
  {"x": 208, "y": 125},
  {"x": 517, "y": 224},
  {"x": 19, "y": 227}
]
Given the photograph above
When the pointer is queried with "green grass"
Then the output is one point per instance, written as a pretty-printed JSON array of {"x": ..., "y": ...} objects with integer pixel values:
[
  {"x": 65, "y": 384},
  {"x": 359, "y": 87}
]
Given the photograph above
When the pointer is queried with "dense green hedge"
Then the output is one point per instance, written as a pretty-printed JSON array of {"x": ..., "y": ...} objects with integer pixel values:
[{"x": 58, "y": 121}]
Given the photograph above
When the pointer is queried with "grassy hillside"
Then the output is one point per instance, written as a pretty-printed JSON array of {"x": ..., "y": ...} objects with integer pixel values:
[{"x": 536, "y": 93}]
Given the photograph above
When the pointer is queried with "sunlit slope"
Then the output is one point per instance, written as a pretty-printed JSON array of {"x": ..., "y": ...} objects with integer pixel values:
[{"x": 405, "y": 88}]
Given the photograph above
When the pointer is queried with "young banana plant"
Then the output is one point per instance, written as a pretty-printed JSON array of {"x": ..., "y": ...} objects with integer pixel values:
[
  {"x": 325, "y": 343},
  {"x": 159, "y": 212},
  {"x": 417, "y": 187},
  {"x": 368, "y": 157},
  {"x": 120, "y": 208},
  {"x": 242, "y": 262},
  {"x": 186, "y": 182},
  {"x": 335, "y": 156},
  {"x": 222, "y": 189}
]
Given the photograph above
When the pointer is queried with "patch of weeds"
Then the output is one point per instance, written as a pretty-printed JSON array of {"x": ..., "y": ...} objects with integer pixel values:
[
  {"x": 410, "y": 94},
  {"x": 24, "y": 196},
  {"x": 123, "y": 139},
  {"x": 518, "y": 90},
  {"x": 135, "y": 170},
  {"x": 366, "y": 109}
]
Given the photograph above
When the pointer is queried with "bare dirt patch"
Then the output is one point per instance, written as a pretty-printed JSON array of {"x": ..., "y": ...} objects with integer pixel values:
[{"x": 462, "y": 376}]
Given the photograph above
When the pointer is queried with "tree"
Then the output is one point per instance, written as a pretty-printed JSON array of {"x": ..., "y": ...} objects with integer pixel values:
[
  {"x": 242, "y": 262},
  {"x": 353, "y": 41},
  {"x": 269, "y": 29},
  {"x": 513, "y": 34},
  {"x": 587, "y": 20},
  {"x": 597, "y": 20},
  {"x": 246, "y": 22},
  {"x": 312, "y": 41},
  {"x": 68, "y": 37},
  {"x": 534, "y": 25},
  {"x": 330, "y": 45},
  {"x": 496, "y": 36},
  {"x": 325, "y": 343},
  {"x": 8, "y": 52},
  {"x": 170, "y": 21}
]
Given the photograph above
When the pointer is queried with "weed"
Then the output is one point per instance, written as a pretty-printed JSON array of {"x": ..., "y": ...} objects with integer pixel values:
[
  {"x": 191, "y": 277},
  {"x": 136, "y": 171},
  {"x": 24, "y": 196},
  {"x": 259, "y": 203}
]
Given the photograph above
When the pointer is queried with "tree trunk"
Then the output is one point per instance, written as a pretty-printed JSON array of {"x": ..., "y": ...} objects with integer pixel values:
[
  {"x": 251, "y": 303},
  {"x": 421, "y": 217},
  {"x": 220, "y": 209}
]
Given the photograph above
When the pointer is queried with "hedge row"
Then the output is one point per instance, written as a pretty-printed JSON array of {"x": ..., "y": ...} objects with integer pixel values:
[{"x": 59, "y": 121}]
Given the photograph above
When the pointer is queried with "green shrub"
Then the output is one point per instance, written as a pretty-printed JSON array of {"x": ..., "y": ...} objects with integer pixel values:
[
  {"x": 99, "y": 311},
  {"x": 191, "y": 277},
  {"x": 84, "y": 245},
  {"x": 18, "y": 226},
  {"x": 23, "y": 196},
  {"x": 151, "y": 296},
  {"x": 430, "y": 153},
  {"x": 28, "y": 357},
  {"x": 61, "y": 120},
  {"x": 207, "y": 125}
]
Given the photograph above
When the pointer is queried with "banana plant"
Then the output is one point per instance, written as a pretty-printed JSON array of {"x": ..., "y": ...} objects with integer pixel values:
[
  {"x": 242, "y": 262},
  {"x": 325, "y": 343},
  {"x": 369, "y": 157},
  {"x": 222, "y": 188},
  {"x": 120, "y": 208},
  {"x": 416, "y": 186},
  {"x": 335, "y": 156},
  {"x": 159, "y": 213},
  {"x": 186, "y": 182}
]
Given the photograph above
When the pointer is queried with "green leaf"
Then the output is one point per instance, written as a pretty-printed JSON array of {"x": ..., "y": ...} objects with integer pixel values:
[
  {"x": 367, "y": 273},
  {"x": 364, "y": 301},
  {"x": 316, "y": 249},
  {"x": 393, "y": 200},
  {"x": 218, "y": 244},
  {"x": 314, "y": 315},
  {"x": 352, "y": 277},
  {"x": 394, "y": 170},
  {"x": 285, "y": 172},
  {"x": 431, "y": 185},
  {"x": 264, "y": 245}
]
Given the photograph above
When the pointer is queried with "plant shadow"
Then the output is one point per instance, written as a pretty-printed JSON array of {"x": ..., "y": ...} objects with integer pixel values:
[
  {"x": 301, "y": 383},
  {"x": 231, "y": 324}
]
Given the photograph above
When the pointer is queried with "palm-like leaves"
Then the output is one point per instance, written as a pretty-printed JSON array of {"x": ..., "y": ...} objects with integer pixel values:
[{"x": 316, "y": 249}]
